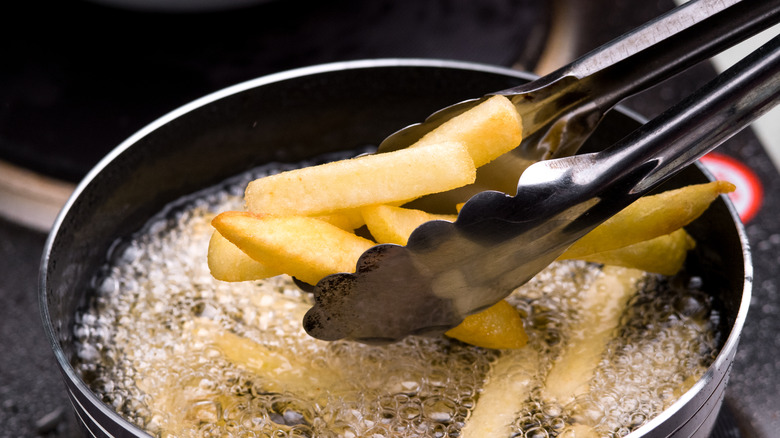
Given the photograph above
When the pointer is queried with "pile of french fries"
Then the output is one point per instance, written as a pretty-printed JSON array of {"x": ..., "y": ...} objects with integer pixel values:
[{"x": 302, "y": 222}]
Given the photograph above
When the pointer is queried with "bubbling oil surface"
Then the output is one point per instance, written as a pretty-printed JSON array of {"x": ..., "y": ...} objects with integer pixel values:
[{"x": 148, "y": 345}]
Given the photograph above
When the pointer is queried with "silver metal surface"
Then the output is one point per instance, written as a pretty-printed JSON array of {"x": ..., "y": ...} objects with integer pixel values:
[{"x": 448, "y": 271}]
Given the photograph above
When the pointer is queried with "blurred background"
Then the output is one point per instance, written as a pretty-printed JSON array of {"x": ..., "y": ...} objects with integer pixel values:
[{"x": 78, "y": 77}]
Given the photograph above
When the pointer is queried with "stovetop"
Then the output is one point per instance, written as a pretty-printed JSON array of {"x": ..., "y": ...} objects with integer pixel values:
[{"x": 81, "y": 77}]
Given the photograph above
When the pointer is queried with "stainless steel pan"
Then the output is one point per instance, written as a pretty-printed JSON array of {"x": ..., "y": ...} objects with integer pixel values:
[{"x": 296, "y": 115}]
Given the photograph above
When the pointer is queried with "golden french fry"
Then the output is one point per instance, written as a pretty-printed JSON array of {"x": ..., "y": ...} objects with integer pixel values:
[
  {"x": 303, "y": 247},
  {"x": 662, "y": 255},
  {"x": 174, "y": 392},
  {"x": 279, "y": 370},
  {"x": 489, "y": 130},
  {"x": 390, "y": 224},
  {"x": 510, "y": 382},
  {"x": 649, "y": 217},
  {"x": 499, "y": 326},
  {"x": 348, "y": 220},
  {"x": 601, "y": 307},
  {"x": 371, "y": 179},
  {"x": 228, "y": 263}
]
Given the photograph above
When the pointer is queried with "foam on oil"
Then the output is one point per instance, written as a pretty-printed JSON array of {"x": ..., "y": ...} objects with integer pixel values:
[{"x": 181, "y": 354}]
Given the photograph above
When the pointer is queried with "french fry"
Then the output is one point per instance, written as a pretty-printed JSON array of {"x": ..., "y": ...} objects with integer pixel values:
[
  {"x": 498, "y": 326},
  {"x": 303, "y": 247},
  {"x": 390, "y": 224},
  {"x": 371, "y": 179},
  {"x": 279, "y": 371},
  {"x": 489, "y": 130},
  {"x": 228, "y": 263},
  {"x": 509, "y": 385},
  {"x": 348, "y": 220},
  {"x": 649, "y": 217},
  {"x": 602, "y": 305},
  {"x": 662, "y": 255},
  {"x": 176, "y": 398}
]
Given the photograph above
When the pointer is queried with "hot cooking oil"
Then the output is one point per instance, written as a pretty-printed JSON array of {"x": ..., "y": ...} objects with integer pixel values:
[{"x": 181, "y": 354}]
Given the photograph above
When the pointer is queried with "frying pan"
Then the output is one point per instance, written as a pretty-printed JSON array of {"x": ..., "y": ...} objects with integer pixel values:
[{"x": 296, "y": 115}]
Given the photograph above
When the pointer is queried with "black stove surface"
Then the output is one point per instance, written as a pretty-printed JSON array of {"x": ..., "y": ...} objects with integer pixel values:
[
  {"x": 82, "y": 77},
  {"x": 97, "y": 74}
]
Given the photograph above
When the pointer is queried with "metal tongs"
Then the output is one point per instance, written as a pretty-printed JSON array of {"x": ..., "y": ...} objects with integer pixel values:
[{"x": 450, "y": 270}]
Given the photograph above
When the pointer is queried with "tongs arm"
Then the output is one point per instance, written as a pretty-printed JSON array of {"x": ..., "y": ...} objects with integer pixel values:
[
  {"x": 670, "y": 142},
  {"x": 561, "y": 109},
  {"x": 673, "y": 42}
]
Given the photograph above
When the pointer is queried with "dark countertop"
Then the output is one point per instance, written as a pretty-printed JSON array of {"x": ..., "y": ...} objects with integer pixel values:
[{"x": 33, "y": 401}]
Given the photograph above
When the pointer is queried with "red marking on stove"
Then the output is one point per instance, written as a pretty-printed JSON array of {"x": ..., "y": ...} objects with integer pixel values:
[{"x": 750, "y": 192}]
